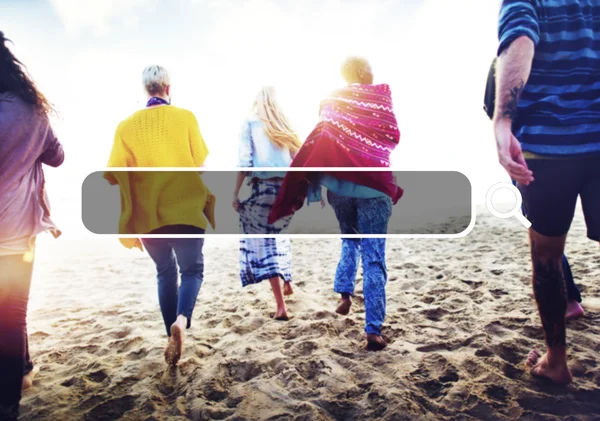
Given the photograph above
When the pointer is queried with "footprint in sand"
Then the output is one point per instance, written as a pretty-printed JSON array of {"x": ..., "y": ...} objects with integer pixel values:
[
  {"x": 473, "y": 284},
  {"x": 300, "y": 349},
  {"x": 89, "y": 349},
  {"x": 433, "y": 388},
  {"x": 321, "y": 315},
  {"x": 73, "y": 382},
  {"x": 241, "y": 371},
  {"x": 97, "y": 376},
  {"x": 497, "y": 393},
  {"x": 212, "y": 414},
  {"x": 344, "y": 353},
  {"x": 112, "y": 409},
  {"x": 499, "y": 293},
  {"x": 138, "y": 354},
  {"x": 508, "y": 352},
  {"x": 435, "y": 314},
  {"x": 406, "y": 266},
  {"x": 435, "y": 375},
  {"x": 90, "y": 402},
  {"x": 231, "y": 321},
  {"x": 38, "y": 336},
  {"x": 127, "y": 344},
  {"x": 212, "y": 323},
  {"x": 312, "y": 369},
  {"x": 355, "y": 334},
  {"x": 121, "y": 333},
  {"x": 248, "y": 326},
  {"x": 496, "y": 328},
  {"x": 339, "y": 409},
  {"x": 533, "y": 332},
  {"x": 427, "y": 299}
]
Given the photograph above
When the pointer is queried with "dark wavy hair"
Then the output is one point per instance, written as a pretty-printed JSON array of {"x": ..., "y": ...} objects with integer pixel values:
[{"x": 14, "y": 78}]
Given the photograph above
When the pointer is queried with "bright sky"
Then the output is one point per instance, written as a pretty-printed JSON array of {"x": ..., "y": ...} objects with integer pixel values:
[{"x": 87, "y": 56}]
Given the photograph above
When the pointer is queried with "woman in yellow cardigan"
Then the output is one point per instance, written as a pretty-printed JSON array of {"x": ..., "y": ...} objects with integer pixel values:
[{"x": 157, "y": 202}]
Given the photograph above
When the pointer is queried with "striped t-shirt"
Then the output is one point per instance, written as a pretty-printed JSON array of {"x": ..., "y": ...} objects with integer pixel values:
[{"x": 559, "y": 109}]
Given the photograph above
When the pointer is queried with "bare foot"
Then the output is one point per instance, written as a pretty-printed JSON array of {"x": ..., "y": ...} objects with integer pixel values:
[
  {"x": 28, "y": 378},
  {"x": 280, "y": 315},
  {"x": 175, "y": 347},
  {"x": 574, "y": 310},
  {"x": 287, "y": 288},
  {"x": 343, "y": 307},
  {"x": 375, "y": 343},
  {"x": 540, "y": 367}
]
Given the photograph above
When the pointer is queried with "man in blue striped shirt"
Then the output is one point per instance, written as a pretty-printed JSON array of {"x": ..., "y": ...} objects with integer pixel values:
[
  {"x": 574, "y": 309},
  {"x": 547, "y": 129}
]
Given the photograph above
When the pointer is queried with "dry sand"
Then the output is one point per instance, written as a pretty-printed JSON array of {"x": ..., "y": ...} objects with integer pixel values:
[{"x": 461, "y": 320}]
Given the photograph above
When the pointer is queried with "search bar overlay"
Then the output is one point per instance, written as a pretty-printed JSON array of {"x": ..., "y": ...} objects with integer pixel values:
[
  {"x": 516, "y": 210},
  {"x": 137, "y": 201}
]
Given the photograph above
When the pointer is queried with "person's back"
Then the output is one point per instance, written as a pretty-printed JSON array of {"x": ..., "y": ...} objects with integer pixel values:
[
  {"x": 559, "y": 108},
  {"x": 26, "y": 143},
  {"x": 267, "y": 140},
  {"x": 257, "y": 150},
  {"x": 165, "y": 202},
  {"x": 24, "y": 211},
  {"x": 162, "y": 136},
  {"x": 548, "y": 87}
]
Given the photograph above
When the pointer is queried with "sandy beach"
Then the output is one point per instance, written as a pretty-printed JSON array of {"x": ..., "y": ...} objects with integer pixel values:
[{"x": 460, "y": 322}]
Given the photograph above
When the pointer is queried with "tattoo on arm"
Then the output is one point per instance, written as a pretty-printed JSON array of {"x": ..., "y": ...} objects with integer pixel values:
[
  {"x": 551, "y": 296},
  {"x": 510, "y": 109}
]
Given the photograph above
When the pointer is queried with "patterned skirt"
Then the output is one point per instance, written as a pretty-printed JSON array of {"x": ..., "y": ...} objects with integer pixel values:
[{"x": 263, "y": 258}]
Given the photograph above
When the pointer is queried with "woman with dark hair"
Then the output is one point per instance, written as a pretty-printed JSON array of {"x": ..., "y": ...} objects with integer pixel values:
[{"x": 26, "y": 142}]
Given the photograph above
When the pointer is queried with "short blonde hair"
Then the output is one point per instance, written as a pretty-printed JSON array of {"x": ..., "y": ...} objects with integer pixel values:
[
  {"x": 351, "y": 65},
  {"x": 155, "y": 79}
]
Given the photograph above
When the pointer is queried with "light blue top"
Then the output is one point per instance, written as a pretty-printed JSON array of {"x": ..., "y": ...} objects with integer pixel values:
[{"x": 256, "y": 150}]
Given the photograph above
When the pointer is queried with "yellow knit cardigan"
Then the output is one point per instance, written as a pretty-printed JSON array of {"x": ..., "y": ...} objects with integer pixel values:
[{"x": 163, "y": 136}]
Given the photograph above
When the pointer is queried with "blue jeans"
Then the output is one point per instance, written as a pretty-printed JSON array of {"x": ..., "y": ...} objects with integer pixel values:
[
  {"x": 363, "y": 216},
  {"x": 167, "y": 254}
]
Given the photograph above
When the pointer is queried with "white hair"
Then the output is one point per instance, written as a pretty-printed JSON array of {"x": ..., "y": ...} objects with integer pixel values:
[{"x": 155, "y": 79}]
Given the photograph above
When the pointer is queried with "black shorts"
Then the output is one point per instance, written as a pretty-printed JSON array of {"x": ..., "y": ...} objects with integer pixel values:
[{"x": 551, "y": 199}]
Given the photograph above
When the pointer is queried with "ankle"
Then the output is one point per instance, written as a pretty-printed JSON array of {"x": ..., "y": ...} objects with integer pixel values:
[
  {"x": 345, "y": 296},
  {"x": 557, "y": 357},
  {"x": 181, "y": 320}
]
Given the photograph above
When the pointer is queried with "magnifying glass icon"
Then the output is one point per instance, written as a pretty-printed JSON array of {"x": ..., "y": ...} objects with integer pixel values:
[{"x": 514, "y": 212}]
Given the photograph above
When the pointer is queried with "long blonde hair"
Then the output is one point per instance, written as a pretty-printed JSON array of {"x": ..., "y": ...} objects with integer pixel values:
[{"x": 275, "y": 123}]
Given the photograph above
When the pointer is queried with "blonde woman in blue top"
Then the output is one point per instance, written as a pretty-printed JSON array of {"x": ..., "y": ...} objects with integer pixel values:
[{"x": 267, "y": 140}]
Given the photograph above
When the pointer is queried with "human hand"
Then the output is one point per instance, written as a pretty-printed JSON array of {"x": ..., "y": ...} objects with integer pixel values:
[
  {"x": 510, "y": 154},
  {"x": 236, "y": 204}
]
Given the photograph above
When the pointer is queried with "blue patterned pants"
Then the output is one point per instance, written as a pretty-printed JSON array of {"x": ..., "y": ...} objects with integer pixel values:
[{"x": 363, "y": 216}]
